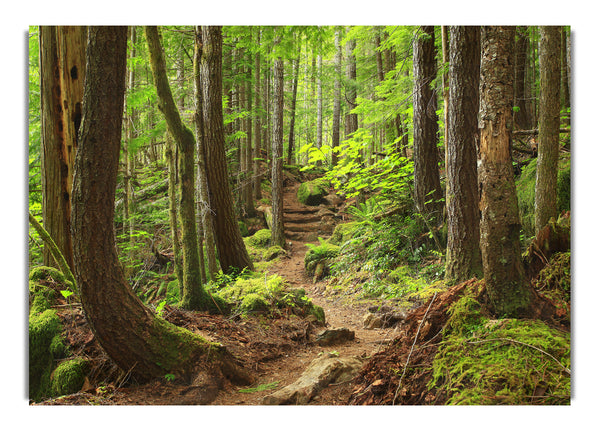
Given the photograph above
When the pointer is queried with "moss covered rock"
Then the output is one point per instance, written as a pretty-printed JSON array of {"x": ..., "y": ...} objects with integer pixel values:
[
  {"x": 44, "y": 329},
  {"x": 318, "y": 258},
  {"x": 68, "y": 377},
  {"x": 273, "y": 252},
  {"x": 313, "y": 192},
  {"x": 262, "y": 238}
]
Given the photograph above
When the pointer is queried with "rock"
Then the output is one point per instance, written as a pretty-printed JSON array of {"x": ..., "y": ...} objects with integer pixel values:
[
  {"x": 372, "y": 321},
  {"x": 320, "y": 373},
  {"x": 334, "y": 336}
]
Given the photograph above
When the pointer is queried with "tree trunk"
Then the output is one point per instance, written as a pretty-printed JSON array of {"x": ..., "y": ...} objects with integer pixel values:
[
  {"x": 291, "y": 137},
  {"x": 257, "y": 123},
  {"x": 428, "y": 191},
  {"x": 463, "y": 256},
  {"x": 133, "y": 337},
  {"x": 319, "y": 142},
  {"x": 547, "y": 161},
  {"x": 277, "y": 231},
  {"x": 62, "y": 71},
  {"x": 248, "y": 153},
  {"x": 173, "y": 216},
  {"x": 521, "y": 116},
  {"x": 337, "y": 95},
  {"x": 194, "y": 296},
  {"x": 204, "y": 208},
  {"x": 351, "y": 119},
  {"x": 500, "y": 227},
  {"x": 231, "y": 249}
]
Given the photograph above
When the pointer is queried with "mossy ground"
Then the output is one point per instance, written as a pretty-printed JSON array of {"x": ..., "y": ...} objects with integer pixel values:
[{"x": 508, "y": 361}]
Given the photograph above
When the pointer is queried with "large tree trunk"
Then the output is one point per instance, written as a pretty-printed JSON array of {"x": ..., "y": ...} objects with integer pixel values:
[
  {"x": 428, "y": 190},
  {"x": 547, "y": 161},
  {"x": 204, "y": 208},
  {"x": 194, "y": 296},
  {"x": 500, "y": 226},
  {"x": 133, "y": 337},
  {"x": 463, "y": 256},
  {"x": 277, "y": 231},
  {"x": 230, "y": 245},
  {"x": 62, "y": 61}
]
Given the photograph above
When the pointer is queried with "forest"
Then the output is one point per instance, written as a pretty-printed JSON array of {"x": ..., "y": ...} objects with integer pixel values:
[{"x": 299, "y": 215}]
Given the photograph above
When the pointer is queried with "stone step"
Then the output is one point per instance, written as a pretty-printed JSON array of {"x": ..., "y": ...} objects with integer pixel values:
[
  {"x": 308, "y": 218},
  {"x": 301, "y": 227}
]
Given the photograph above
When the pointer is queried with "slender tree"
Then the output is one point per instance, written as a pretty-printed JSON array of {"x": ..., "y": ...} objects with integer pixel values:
[
  {"x": 194, "y": 296},
  {"x": 549, "y": 126},
  {"x": 428, "y": 190},
  {"x": 337, "y": 96},
  {"x": 500, "y": 226},
  {"x": 277, "y": 231},
  {"x": 257, "y": 122},
  {"x": 292, "y": 136},
  {"x": 62, "y": 72},
  {"x": 138, "y": 341},
  {"x": 351, "y": 118},
  {"x": 521, "y": 115},
  {"x": 463, "y": 256},
  {"x": 231, "y": 249},
  {"x": 319, "y": 142},
  {"x": 173, "y": 213}
]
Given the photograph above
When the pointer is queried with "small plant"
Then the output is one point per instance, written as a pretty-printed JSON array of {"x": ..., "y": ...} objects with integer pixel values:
[
  {"x": 169, "y": 377},
  {"x": 260, "y": 388},
  {"x": 160, "y": 308}
]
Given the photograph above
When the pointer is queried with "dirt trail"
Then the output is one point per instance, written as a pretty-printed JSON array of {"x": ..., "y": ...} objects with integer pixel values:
[{"x": 301, "y": 225}]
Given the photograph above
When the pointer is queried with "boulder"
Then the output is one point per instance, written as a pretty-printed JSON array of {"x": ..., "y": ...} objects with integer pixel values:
[
  {"x": 321, "y": 372},
  {"x": 313, "y": 192},
  {"x": 334, "y": 336}
]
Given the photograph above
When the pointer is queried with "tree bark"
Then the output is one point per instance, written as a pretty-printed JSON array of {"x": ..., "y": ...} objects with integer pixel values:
[
  {"x": 337, "y": 96},
  {"x": 257, "y": 123},
  {"x": 231, "y": 249},
  {"x": 194, "y": 296},
  {"x": 204, "y": 209},
  {"x": 521, "y": 116},
  {"x": 277, "y": 230},
  {"x": 547, "y": 161},
  {"x": 173, "y": 213},
  {"x": 351, "y": 119},
  {"x": 319, "y": 142},
  {"x": 62, "y": 71},
  {"x": 500, "y": 226},
  {"x": 248, "y": 196},
  {"x": 428, "y": 191},
  {"x": 133, "y": 337},
  {"x": 463, "y": 256},
  {"x": 291, "y": 137}
]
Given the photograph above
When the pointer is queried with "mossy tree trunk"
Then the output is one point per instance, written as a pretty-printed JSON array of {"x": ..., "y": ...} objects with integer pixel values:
[
  {"x": 549, "y": 125},
  {"x": 133, "y": 337},
  {"x": 231, "y": 249},
  {"x": 169, "y": 156},
  {"x": 463, "y": 255},
  {"x": 204, "y": 207},
  {"x": 194, "y": 296},
  {"x": 500, "y": 226},
  {"x": 277, "y": 232}
]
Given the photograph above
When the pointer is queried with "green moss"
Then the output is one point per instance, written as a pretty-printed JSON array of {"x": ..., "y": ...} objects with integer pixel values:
[
  {"x": 318, "y": 312},
  {"x": 48, "y": 273},
  {"x": 254, "y": 302},
  {"x": 465, "y": 316},
  {"x": 44, "y": 327},
  {"x": 343, "y": 232},
  {"x": 261, "y": 238},
  {"x": 507, "y": 361},
  {"x": 68, "y": 377},
  {"x": 273, "y": 252},
  {"x": 312, "y": 192}
]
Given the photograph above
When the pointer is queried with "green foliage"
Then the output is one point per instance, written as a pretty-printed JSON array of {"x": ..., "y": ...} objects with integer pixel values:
[
  {"x": 69, "y": 376},
  {"x": 322, "y": 254},
  {"x": 526, "y": 192},
  {"x": 504, "y": 362},
  {"x": 312, "y": 192}
]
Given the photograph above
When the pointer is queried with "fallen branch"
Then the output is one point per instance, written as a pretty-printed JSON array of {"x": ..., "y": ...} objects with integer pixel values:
[{"x": 412, "y": 348}]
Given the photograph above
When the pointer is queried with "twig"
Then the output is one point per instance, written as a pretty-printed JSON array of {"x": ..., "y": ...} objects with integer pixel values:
[
  {"x": 510, "y": 340},
  {"x": 412, "y": 348}
]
